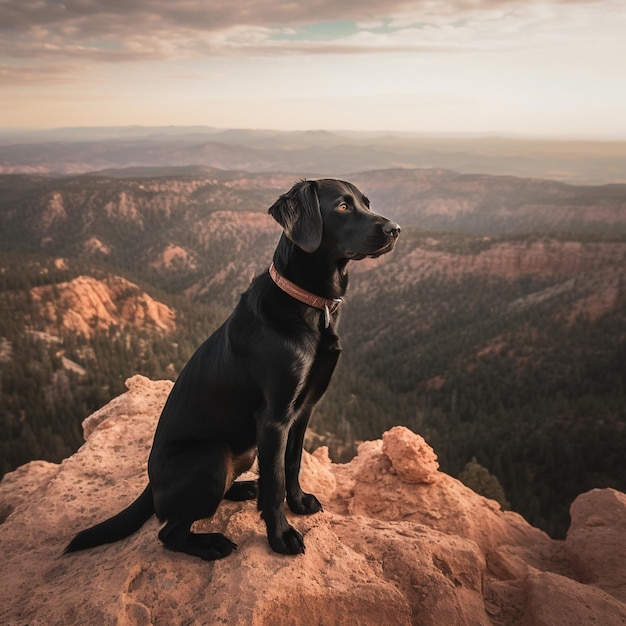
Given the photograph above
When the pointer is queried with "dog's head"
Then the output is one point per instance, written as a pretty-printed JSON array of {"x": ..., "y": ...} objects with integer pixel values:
[{"x": 333, "y": 216}]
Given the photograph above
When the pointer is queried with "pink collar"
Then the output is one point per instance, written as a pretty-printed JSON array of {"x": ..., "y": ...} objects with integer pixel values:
[{"x": 329, "y": 306}]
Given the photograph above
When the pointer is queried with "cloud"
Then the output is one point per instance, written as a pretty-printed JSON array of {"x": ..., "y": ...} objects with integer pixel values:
[
  {"x": 96, "y": 17},
  {"x": 110, "y": 31},
  {"x": 100, "y": 17},
  {"x": 55, "y": 74}
]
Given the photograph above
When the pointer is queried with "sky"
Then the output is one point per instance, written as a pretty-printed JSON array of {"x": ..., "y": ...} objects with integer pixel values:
[{"x": 554, "y": 69}]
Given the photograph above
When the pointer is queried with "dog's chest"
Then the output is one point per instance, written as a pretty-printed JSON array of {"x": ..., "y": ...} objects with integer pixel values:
[{"x": 319, "y": 365}]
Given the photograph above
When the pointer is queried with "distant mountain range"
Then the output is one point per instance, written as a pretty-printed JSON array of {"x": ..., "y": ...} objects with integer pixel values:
[
  {"x": 307, "y": 154},
  {"x": 72, "y": 213}
]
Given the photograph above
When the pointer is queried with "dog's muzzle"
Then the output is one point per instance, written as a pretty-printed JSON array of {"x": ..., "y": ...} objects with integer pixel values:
[{"x": 392, "y": 231}]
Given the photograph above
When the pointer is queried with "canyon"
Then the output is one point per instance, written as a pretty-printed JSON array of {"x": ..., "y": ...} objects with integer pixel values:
[{"x": 496, "y": 329}]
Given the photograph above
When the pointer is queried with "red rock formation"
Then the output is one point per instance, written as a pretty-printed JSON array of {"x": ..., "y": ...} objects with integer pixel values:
[
  {"x": 86, "y": 305},
  {"x": 398, "y": 543}
]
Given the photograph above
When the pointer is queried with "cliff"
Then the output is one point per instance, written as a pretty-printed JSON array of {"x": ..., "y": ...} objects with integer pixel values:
[{"x": 398, "y": 543}]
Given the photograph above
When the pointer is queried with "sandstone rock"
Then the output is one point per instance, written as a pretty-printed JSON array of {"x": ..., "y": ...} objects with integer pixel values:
[
  {"x": 368, "y": 486},
  {"x": 398, "y": 543},
  {"x": 411, "y": 457},
  {"x": 553, "y": 599},
  {"x": 86, "y": 305},
  {"x": 595, "y": 542},
  {"x": 144, "y": 398}
]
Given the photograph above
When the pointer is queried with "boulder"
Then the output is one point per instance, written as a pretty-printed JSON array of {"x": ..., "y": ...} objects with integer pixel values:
[{"x": 398, "y": 543}]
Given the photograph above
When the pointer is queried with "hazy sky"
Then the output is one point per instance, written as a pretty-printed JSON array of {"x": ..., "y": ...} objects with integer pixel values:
[{"x": 556, "y": 68}]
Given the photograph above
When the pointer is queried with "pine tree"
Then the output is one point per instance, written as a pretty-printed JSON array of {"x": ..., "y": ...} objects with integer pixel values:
[{"x": 480, "y": 480}]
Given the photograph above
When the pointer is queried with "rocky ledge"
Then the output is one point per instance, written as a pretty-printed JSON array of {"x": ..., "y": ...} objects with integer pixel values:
[{"x": 398, "y": 543}]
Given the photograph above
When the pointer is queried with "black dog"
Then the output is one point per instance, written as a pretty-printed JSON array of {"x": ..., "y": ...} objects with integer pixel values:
[{"x": 251, "y": 386}]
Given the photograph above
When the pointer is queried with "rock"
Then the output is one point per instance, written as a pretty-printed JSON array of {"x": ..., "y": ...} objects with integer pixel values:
[
  {"x": 595, "y": 541},
  {"x": 86, "y": 305},
  {"x": 145, "y": 398},
  {"x": 370, "y": 486},
  {"x": 398, "y": 543},
  {"x": 553, "y": 599},
  {"x": 411, "y": 457}
]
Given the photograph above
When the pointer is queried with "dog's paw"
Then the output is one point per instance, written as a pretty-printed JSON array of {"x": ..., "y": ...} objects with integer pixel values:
[
  {"x": 288, "y": 542},
  {"x": 305, "y": 504},
  {"x": 211, "y": 546},
  {"x": 242, "y": 490}
]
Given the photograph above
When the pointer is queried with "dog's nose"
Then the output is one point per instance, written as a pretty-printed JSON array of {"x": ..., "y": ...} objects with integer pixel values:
[{"x": 392, "y": 229}]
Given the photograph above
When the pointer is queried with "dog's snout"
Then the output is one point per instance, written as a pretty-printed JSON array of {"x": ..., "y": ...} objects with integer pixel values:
[{"x": 392, "y": 229}]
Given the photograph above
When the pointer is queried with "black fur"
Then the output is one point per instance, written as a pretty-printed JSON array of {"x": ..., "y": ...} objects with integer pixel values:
[{"x": 252, "y": 385}]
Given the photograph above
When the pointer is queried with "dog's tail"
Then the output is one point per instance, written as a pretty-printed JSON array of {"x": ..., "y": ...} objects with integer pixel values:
[{"x": 125, "y": 523}]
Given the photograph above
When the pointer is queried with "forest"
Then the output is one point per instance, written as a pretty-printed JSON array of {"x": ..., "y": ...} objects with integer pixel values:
[{"x": 506, "y": 352}]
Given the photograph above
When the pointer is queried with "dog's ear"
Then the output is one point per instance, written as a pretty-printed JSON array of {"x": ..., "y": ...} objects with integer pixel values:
[{"x": 298, "y": 212}]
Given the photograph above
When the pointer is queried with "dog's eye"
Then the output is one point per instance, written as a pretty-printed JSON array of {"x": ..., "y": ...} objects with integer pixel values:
[{"x": 342, "y": 206}]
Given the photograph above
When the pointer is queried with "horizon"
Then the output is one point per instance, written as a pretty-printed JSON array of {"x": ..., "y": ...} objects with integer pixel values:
[
  {"x": 538, "y": 70},
  {"x": 23, "y": 132}
]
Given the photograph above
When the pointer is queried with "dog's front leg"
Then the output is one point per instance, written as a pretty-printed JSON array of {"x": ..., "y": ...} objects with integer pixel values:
[
  {"x": 272, "y": 444},
  {"x": 298, "y": 501},
  {"x": 317, "y": 382}
]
